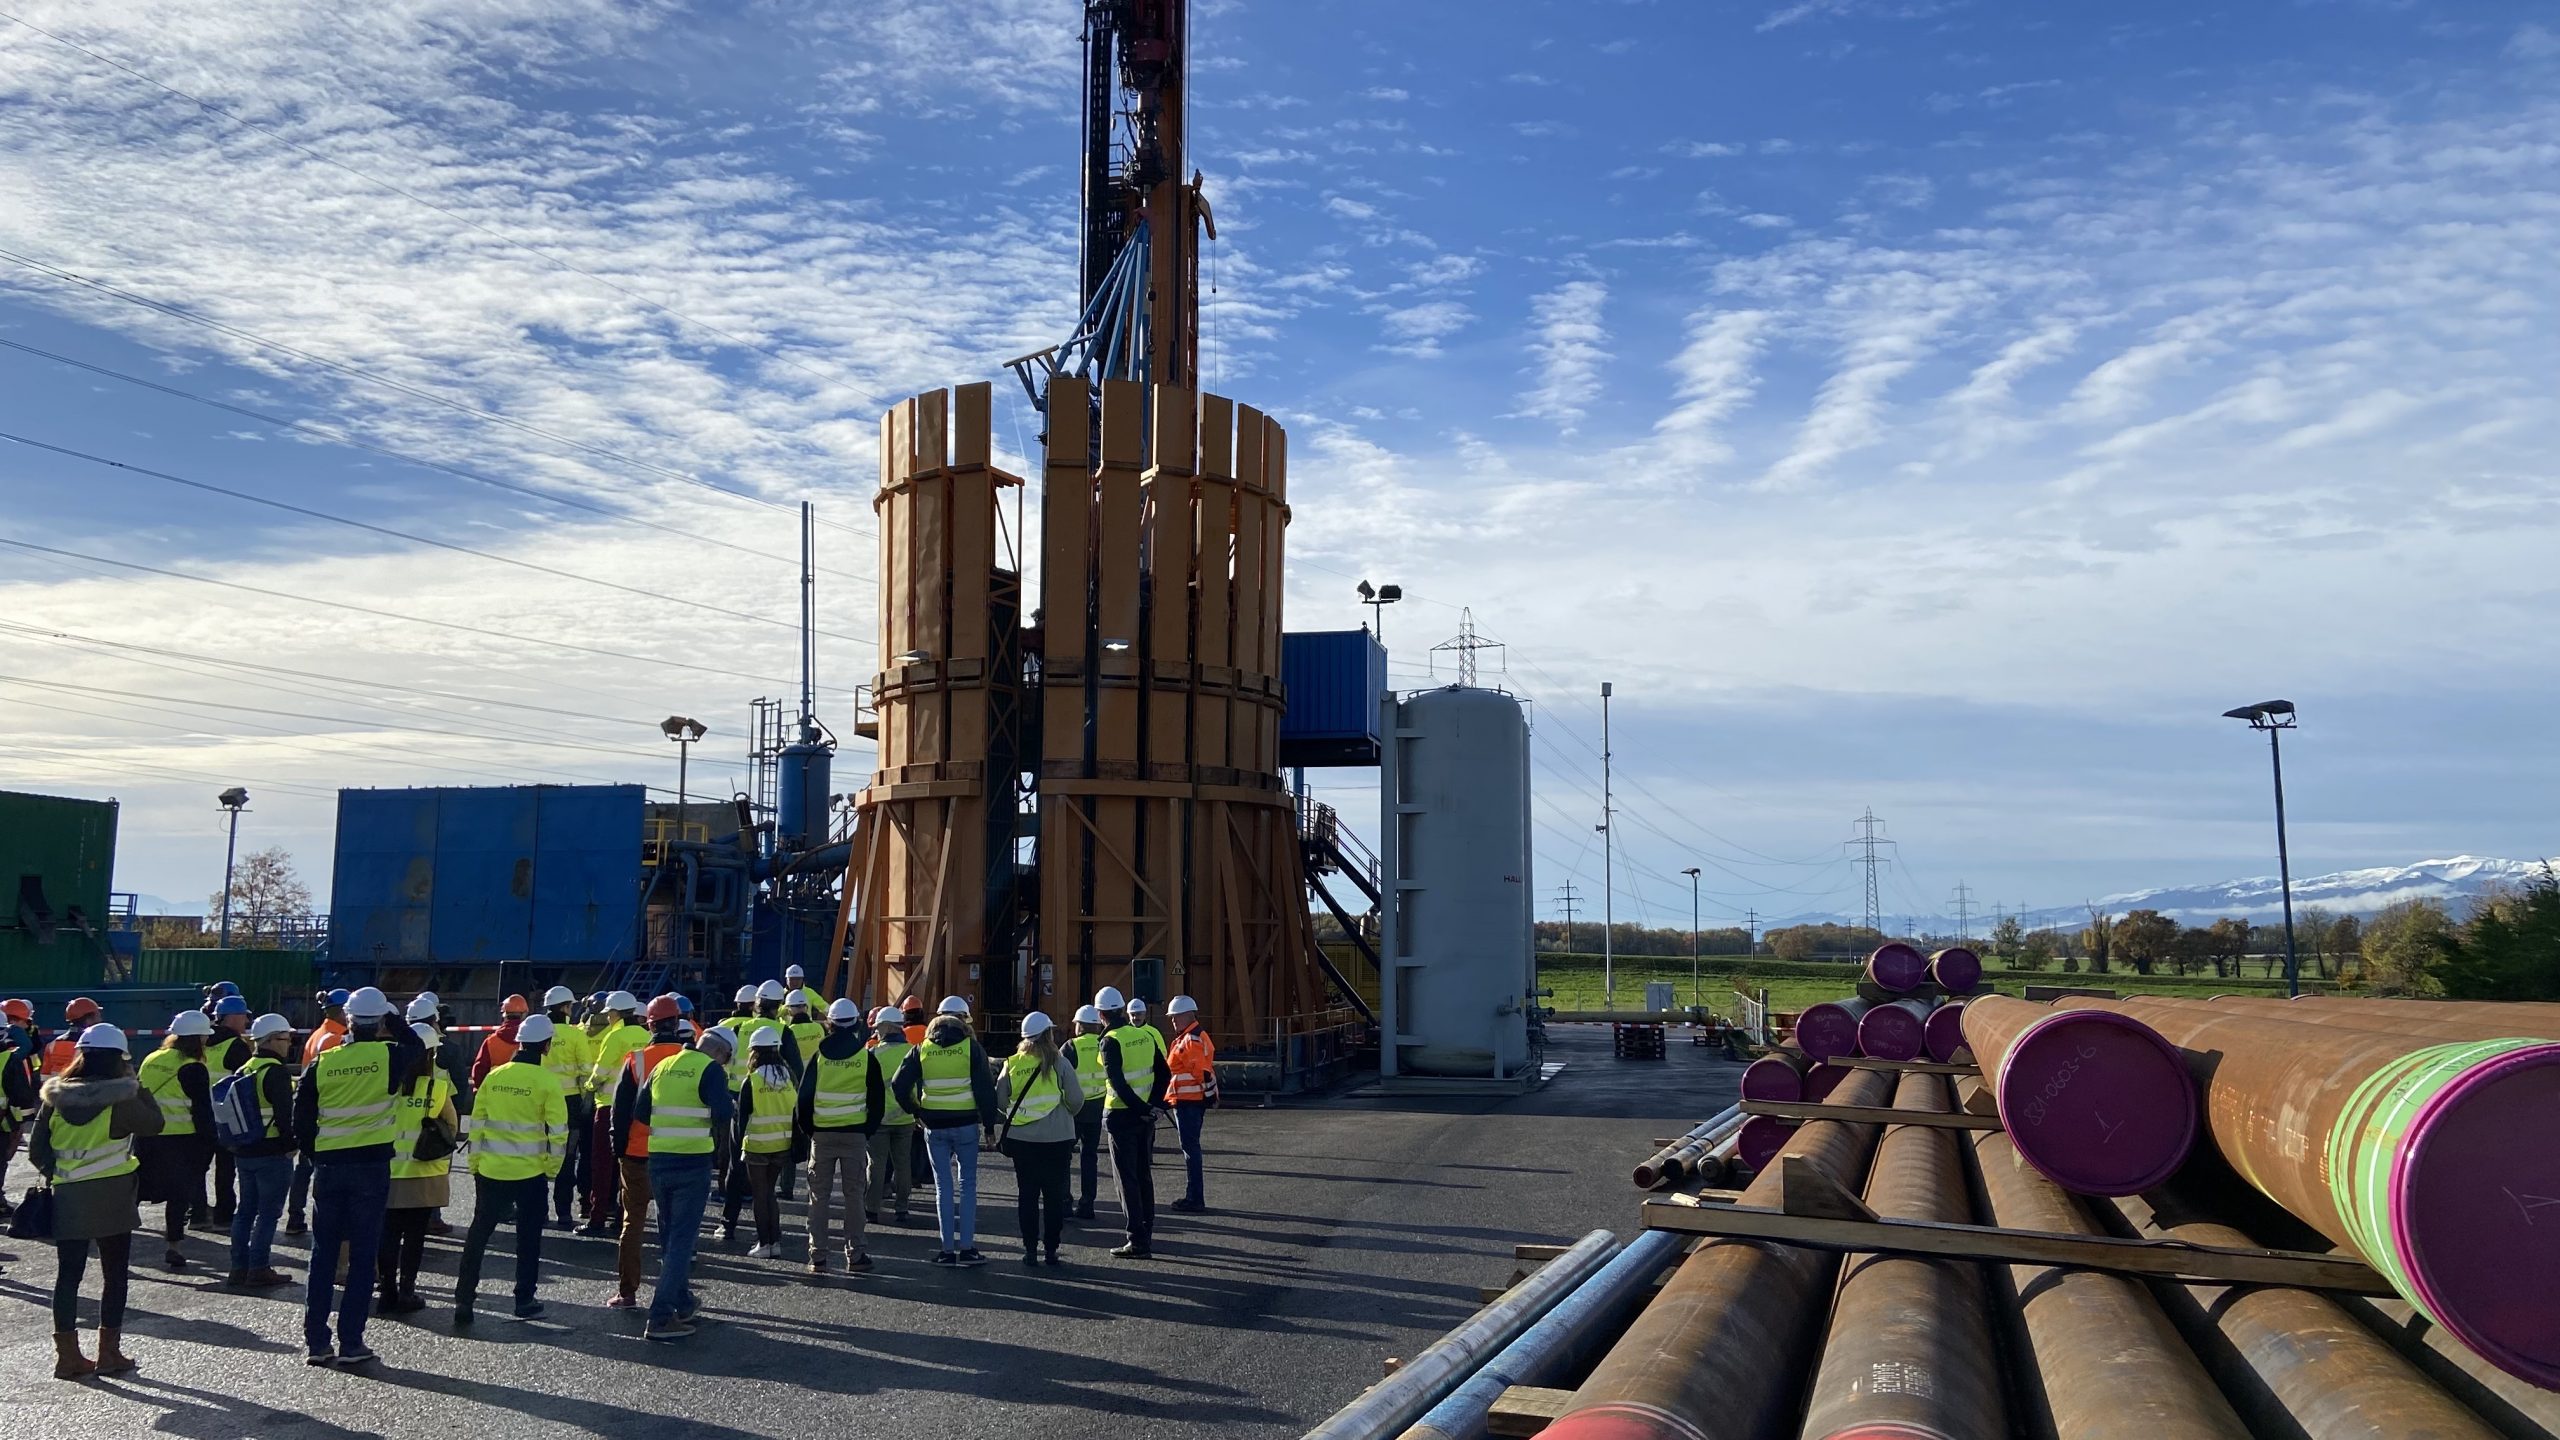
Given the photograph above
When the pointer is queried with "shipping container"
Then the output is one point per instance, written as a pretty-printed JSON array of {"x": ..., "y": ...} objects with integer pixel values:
[
  {"x": 467, "y": 876},
  {"x": 1334, "y": 679},
  {"x": 57, "y": 862}
]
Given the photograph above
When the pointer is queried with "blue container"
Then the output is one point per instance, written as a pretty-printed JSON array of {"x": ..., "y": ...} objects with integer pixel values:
[
  {"x": 482, "y": 876},
  {"x": 586, "y": 878},
  {"x": 807, "y": 768},
  {"x": 1334, "y": 679}
]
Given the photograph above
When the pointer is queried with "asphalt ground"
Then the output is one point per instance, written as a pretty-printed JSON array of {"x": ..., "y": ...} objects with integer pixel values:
[{"x": 1342, "y": 1231}]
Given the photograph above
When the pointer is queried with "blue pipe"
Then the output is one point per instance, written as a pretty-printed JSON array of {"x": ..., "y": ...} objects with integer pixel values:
[{"x": 1590, "y": 1314}]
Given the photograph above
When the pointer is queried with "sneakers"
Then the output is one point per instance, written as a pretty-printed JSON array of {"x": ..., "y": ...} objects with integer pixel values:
[
  {"x": 321, "y": 1358},
  {"x": 858, "y": 1263},
  {"x": 1054, "y": 1260},
  {"x": 174, "y": 1259},
  {"x": 405, "y": 1304},
  {"x": 1133, "y": 1251},
  {"x": 971, "y": 1256},
  {"x": 353, "y": 1355},
  {"x": 592, "y": 1228},
  {"x": 462, "y": 1317},
  {"x": 945, "y": 1259},
  {"x": 764, "y": 1252},
  {"x": 293, "y": 1226},
  {"x": 268, "y": 1279},
  {"x": 623, "y": 1302},
  {"x": 1030, "y": 1256},
  {"x": 1084, "y": 1212},
  {"x": 672, "y": 1330},
  {"x": 528, "y": 1309},
  {"x": 817, "y": 1263},
  {"x": 237, "y": 1279},
  {"x": 1187, "y": 1203}
]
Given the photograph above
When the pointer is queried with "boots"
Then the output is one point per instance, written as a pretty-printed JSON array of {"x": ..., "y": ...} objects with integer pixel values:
[
  {"x": 111, "y": 1357},
  {"x": 68, "y": 1362}
]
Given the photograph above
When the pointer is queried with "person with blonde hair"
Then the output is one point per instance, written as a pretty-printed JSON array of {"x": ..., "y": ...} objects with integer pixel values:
[
  {"x": 1042, "y": 1097},
  {"x": 947, "y": 1082}
]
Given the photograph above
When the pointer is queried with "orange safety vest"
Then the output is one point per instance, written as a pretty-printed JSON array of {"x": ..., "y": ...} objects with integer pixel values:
[
  {"x": 1192, "y": 1066},
  {"x": 915, "y": 1034},
  {"x": 498, "y": 1049},
  {"x": 327, "y": 1036},
  {"x": 59, "y": 1054},
  {"x": 642, "y": 1064}
]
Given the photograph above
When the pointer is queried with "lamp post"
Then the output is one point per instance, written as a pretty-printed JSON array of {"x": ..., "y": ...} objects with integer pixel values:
[
  {"x": 683, "y": 731},
  {"x": 234, "y": 800},
  {"x": 1378, "y": 598},
  {"x": 2275, "y": 717},
  {"x": 1692, "y": 873},
  {"x": 1608, "y": 866}
]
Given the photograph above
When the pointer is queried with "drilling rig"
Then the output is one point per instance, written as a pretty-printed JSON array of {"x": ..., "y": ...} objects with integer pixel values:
[{"x": 1089, "y": 793}]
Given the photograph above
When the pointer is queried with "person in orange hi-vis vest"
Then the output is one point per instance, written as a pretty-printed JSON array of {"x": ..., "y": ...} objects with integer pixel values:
[
  {"x": 1193, "y": 1063},
  {"x": 80, "y": 1014},
  {"x": 500, "y": 1045},
  {"x": 631, "y": 1156}
]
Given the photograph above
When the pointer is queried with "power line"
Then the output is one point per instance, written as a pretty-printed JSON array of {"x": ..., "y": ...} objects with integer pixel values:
[
  {"x": 99, "y": 690},
  {"x": 1868, "y": 844},
  {"x": 597, "y": 650},
  {"x": 339, "y": 437},
  {"x": 210, "y": 108},
  {"x": 357, "y": 372}
]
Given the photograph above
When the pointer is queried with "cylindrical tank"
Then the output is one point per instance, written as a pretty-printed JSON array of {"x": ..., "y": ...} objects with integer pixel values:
[
  {"x": 801, "y": 815},
  {"x": 1464, "y": 977}
]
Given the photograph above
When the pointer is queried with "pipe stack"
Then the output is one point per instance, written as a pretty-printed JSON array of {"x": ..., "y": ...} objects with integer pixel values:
[
  {"x": 1673, "y": 1162},
  {"x": 2097, "y": 1103}
]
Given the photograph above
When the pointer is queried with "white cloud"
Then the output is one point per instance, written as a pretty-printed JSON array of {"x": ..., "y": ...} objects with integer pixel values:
[
  {"x": 1417, "y": 330},
  {"x": 1571, "y": 346},
  {"x": 1388, "y": 93},
  {"x": 1350, "y": 209},
  {"x": 1714, "y": 378},
  {"x": 2534, "y": 42},
  {"x": 1703, "y": 149}
]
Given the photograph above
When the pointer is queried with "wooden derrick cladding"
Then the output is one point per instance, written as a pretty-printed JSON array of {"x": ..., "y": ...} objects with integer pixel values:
[
  {"x": 932, "y": 893},
  {"x": 1169, "y": 859}
]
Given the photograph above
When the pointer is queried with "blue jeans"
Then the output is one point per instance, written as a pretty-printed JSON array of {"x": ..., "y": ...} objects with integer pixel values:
[
  {"x": 1186, "y": 1122},
  {"x": 954, "y": 1153},
  {"x": 681, "y": 1188},
  {"x": 263, "y": 1181},
  {"x": 347, "y": 1203}
]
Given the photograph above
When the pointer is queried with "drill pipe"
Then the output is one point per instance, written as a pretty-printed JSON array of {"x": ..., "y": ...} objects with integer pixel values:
[
  {"x": 1721, "y": 1351},
  {"x": 2101, "y": 1107},
  {"x": 1762, "y": 1137},
  {"x": 1957, "y": 969},
  {"x": 1778, "y": 1076},
  {"x": 2539, "y": 1012},
  {"x": 1829, "y": 1030},
  {"x": 1716, "y": 1167},
  {"x": 1668, "y": 1165},
  {"x": 1897, "y": 967},
  {"x": 2431, "y": 1160},
  {"x": 2514, "y": 1408},
  {"x": 2097, "y": 1361},
  {"x": 2432, "y": 1019},
  {"x": 1894, "y": 1032},
  {"x": 1423, "y": 1381},
  {"x": 2293, "y": 1363},
  {"x": 1943, "y": 1036},
  {"x": 1910, "y": 1350}
]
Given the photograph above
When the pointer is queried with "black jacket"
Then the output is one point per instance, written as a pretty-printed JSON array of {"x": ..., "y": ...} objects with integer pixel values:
[{"x": 840, "y": 1045}]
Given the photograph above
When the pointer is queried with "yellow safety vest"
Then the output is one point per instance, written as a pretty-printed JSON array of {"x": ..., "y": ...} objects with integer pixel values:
[
  {"x": 612, "y": 1048},
  {"x": 159, "y": 1075},
  {"x": 1140, "y": 1050},
  {"x": 769, "y": 1115},
  {"x": 679, "y": 1123},
  {"x": 409, "y": 1113},
  {"x": 519, "y": 1124},
  {"x": 571, "y": 1056},
  {"x": 1031, "y": 1088},
  {"x": 356, "y": 1102},
  {"x": 87, "y": 1152},
  {"x": 843, "y": 1098},
  {"x": 806, "y": 1034},
  {"x": 948, "y": 1070},
  {"x": 1086, "y": 1051},
  {"x": 890, "y": 1058}
]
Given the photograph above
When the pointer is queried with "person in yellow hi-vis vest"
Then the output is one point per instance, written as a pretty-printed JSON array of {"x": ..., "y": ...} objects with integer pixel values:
[
  {"x": 766, "y": 1098},
  {"x": 519, "y": 1141},
  {"x": 893, "y": 1145},
  {"x": 1086, "y": 1052},
  {"x": 175, "y": 1161},
  {"x": 951, "y": 1088},
  {"x": 687, "y": 1106},
  {"x": 427, "y": 1126},
  {"x": 1134, "y": 1080},
  {"x": 345, "y": 1115},
  {"x": 842, "y": 1098},
  {"x": 89, "y": 1114}
]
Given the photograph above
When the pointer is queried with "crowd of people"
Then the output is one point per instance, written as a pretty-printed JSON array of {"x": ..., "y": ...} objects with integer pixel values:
[{"x": 608, "y": 1107}]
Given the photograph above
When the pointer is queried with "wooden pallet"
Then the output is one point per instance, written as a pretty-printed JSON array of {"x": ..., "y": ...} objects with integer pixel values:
[{"x": 1526, "y": 1409}]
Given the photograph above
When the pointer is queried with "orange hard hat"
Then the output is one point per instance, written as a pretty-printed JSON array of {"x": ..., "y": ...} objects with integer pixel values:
[
  {"x": 19, "y": 1010},
  {"x": 662, "y": 1009},
  {"x": 80, "y": 1008},
  {"x": 515, "y": 1005}
]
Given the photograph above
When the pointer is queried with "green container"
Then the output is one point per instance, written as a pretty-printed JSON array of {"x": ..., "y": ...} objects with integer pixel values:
[
  {"x": 278, "y": 980},
  {"x": 57, "y": 862}
]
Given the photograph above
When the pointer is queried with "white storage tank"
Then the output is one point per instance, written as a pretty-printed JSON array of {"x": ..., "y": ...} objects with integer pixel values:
[{"x": 1462, "y": 951}]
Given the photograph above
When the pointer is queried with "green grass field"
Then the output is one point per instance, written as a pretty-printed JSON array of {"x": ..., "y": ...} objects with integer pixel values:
[{"x": 1793, "y": 985}]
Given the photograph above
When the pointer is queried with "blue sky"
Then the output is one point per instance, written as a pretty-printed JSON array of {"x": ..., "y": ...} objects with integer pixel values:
[{"x": 1945, "y": 408}]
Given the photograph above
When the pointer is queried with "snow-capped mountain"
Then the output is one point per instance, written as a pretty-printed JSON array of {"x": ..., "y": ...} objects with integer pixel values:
[{"x": 2346, "y": 892}]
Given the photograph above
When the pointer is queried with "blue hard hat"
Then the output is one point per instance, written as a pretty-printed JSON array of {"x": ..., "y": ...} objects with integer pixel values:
[
  {"x": 338, "y": 997},
  {"x": 684, "y": 1003},
  {"x": 225, "y": 987},
  {"x": 230, "y": 1005}
]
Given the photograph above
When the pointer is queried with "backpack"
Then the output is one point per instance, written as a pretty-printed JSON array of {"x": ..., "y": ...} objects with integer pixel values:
[{"x": 239, "y": 1119}]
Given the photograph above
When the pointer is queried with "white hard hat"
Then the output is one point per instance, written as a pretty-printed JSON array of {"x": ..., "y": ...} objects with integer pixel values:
[
  {"x": 804, "y": 997},
  {"x": 1087, "y": 1015},
  {"x": 769, "y": 990},
  {"x": 559, "y": 995},
  {"x": 794, "y": 972},
  {"x": 368, "y": 1003},
  {"x": 1181, "y": 1005},
  {"x": 426, "y": 1034},
  {"x": 888, "y": 1015},
  {"x": 1137, "y": 1007},
  {"x": 269, "y": 1024},
  {"x": 191, "y": 1024},
  {"x": 1109, "y": 998},
  {"x": 765, "y": 1038},
  {"x": 622, "y": 1000},
  {"x": 727, "y": 1037},
  {"x": 746, "y": 996},
  {"x": 844, "y": 1012},
  {"x": 1037, "y": 1023},
  {"x": 103, "y": 1037},
  {"x": 952, "y": 1005},
  {"x": 425, "y": 1006},
  {"x": 685, "y": 1029},
  {"x": 534, "y": 1029}
]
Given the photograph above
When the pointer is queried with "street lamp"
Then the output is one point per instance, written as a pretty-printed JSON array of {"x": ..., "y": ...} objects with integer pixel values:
[
  {"x": 1692, "y": 873},
  {"x": 1378, "y": 598},
  {"x": 684, "y": 732},
  {"x": 234, "y": 800},
  {"x": 2274, "y": 716}
]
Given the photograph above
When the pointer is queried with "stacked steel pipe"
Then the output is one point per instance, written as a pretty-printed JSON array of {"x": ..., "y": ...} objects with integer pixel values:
[{"x": 1674, "y": 1162}]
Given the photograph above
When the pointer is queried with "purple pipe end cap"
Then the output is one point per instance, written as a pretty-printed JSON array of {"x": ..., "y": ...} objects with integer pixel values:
[
  {"x": 1891, "y": 1032},
  {"x": 1957, "y": 970},
  {"x": 1897, "y": 967},
  {"x": 1943, "y": 1034},
  {"x": 2475, "y": 1211},
  {"x": 1827, "y": 1031},
  {"x": 1770, "y": 1078},
  {"x": 1821, "y": 1080},
  {"x": 1760, "y": 1139},
  {"x": 2097, "y": 1102}
]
